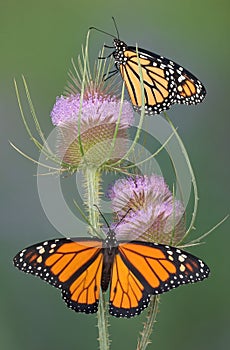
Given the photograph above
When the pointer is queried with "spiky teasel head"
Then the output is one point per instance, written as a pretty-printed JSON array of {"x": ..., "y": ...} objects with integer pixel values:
[
  {"x": 92, "y": 121},
  {"x": 147, "y": 210}
]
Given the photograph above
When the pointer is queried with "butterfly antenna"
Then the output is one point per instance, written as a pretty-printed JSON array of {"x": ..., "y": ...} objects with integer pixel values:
[
  {"x": 107, "y": 221},
  {"x": 115, "y": 25},
  {"x": 123, "y": 217},
  {"x": 102, "y": 31},
  {"x": 102, "y": 215}
]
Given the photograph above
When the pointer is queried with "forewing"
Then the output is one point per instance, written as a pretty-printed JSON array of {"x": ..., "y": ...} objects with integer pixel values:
[
  {"x": 161, "y": 267},
  {"x": 74, "y": 266}
]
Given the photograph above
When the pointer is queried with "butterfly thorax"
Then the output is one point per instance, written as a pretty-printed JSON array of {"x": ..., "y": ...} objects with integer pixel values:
[
  {"x": 118, "y": 54},
  {"x": 110, "y": 247}
]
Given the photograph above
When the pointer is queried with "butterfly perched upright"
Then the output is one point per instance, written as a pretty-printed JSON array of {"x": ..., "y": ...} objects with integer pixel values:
[
  {"x": 165, "y": 82},
  {"x": 135, "y": 271}
]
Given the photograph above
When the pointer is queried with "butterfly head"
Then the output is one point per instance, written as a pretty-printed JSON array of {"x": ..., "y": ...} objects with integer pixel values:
[
  {"x": 110, "y": 241},
  {"x": 119, "y": 45}
]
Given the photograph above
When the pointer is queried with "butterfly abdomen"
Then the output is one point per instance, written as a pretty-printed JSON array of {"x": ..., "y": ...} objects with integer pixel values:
[{"x": 109, "y": 255}]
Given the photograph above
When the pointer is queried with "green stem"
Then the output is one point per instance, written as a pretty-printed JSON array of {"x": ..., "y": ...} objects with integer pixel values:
[
  {"x": 92, "y": 177},
  {"x": 103, "y": 324},
  {"x": 189, "y": 165},
  {"x": 92, "y": 181},
  {"x": 148, "y": 326}
]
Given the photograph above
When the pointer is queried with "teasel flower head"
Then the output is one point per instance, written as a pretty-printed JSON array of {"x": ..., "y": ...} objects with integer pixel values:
[
  {"x": 92, "y": 121},
  {"x": 147, "y": 210}
]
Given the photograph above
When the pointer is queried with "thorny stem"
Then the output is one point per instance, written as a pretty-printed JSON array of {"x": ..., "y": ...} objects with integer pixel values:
[
  {"x": 92, "y": 182},
  {"x": 103, "y": 323},
  {"x": 148, "y": 326},
  {"x": 92, "y": 178}
]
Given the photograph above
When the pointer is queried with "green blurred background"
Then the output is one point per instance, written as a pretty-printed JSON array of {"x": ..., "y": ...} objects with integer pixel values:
[{"x": 38, "y": 39}]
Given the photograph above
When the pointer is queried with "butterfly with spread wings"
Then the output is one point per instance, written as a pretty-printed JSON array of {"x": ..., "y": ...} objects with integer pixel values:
[
  {"x": 135, "y": 271},
  {"x": 165, "y": 82}
]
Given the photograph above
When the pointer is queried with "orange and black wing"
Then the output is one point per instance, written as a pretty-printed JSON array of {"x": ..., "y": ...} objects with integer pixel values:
[
  {"x": 165, "y": 82},
  {"x": 142, "y": 269},
  {"x": 74, "y": 266}
]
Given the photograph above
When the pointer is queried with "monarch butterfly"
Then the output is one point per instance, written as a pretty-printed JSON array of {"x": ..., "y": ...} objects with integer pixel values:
[
  {"x": 135, "y": 270},
  {"x": 165, "y": 82}
]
